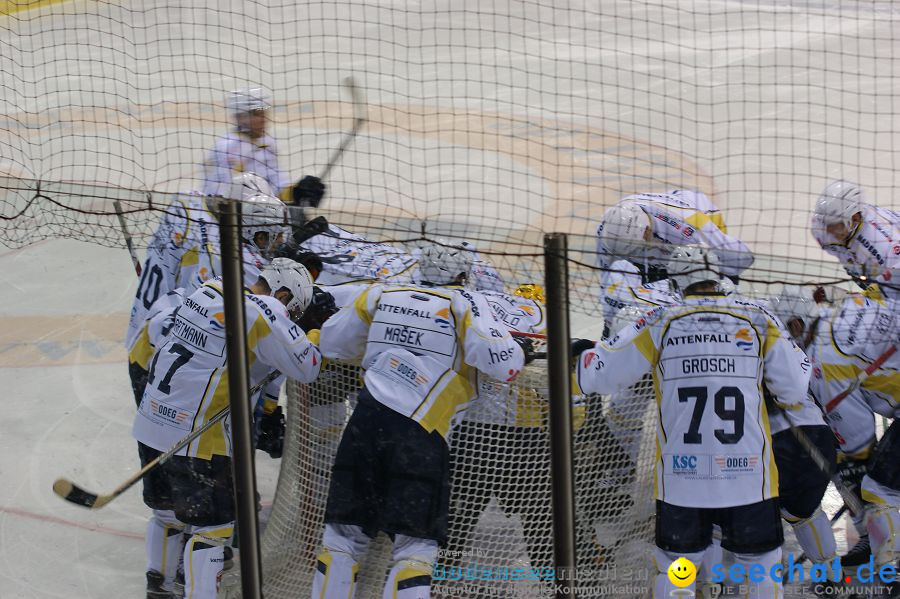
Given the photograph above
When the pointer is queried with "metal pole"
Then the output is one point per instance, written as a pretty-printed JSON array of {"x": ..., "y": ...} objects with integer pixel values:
[
  {"x": 556, "y": 271},
  {"x": 238, "y": 395}
]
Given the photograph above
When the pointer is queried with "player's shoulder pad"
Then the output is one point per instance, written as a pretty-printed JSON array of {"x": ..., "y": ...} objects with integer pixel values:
[
  {"x": 269, "y": 307},
  {"x": 758, "y": 305}
]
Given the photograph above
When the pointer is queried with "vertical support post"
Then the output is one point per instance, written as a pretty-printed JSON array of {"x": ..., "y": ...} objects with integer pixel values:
[
  {"x": 238, "y": 396},
  {"x": 556, "y": 273}
]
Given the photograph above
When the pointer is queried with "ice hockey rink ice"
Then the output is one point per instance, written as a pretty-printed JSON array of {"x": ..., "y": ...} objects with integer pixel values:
[{"x": 64, "y": 304}]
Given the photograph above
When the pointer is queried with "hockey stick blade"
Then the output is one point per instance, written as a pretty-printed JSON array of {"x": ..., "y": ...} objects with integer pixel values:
[
  {"x": 72, "y": 493},
  {"x": 359, "y": 119}
]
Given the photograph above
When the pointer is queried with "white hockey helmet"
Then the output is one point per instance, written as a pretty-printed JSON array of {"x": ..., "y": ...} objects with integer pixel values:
[
  {"x": 243, "y": 187},
  {"x": 284, "y": 273},
  {"x": 794, "y": 302},
  {"x": 837, "y": 204},
  {"x": 622, "y": 230},
  {"x": 248, "y": 99},
  {"x": 692, "y": 264},
  {"x": 261, "y": 213},
  {"x": 441, "y": 262}
]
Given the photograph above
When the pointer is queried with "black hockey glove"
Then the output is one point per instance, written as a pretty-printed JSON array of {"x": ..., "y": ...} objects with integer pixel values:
[
  {"x": 320, "y": 309},
  {"x": 580, "y": 345},
  {"x": 271, "y": 433},
  {"x": 309, "y": 229},
  {"x": 311, "y": 261},
  {"x": 851, "y": 473},
  {"x": 527, "y": 346},
  {"x": 308, "y": 191}
]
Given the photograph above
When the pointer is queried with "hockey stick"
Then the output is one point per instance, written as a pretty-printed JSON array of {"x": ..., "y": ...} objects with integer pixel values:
[
  {"x": 94, "y": 501},
  {"x": 862, "y": 376},
  {"x": 128, "y": 243},
  {"x": 359, "y": 118}
]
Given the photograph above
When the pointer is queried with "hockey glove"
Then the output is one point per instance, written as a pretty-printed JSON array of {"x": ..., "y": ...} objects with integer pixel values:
[
  {"x": 311, "y": 261},
  {"x": 851, "y": 473},
  {"x": 308, "y": 191},
  {"x": 581, "y": 345},
  {"x": 271, "y": 433},
  {"x": 309, "y": 229},
  {"x": 527, "y": 346},
  {"x": 320, "y": 309}
]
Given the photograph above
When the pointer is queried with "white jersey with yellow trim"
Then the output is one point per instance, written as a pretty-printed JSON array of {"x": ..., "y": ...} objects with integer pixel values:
[
  {"x": 237, "y": 153},
  {"x": 708, "y": 358},
  {"x": 156, "y": 326},
  {"x": 421, "y": 348},
  {"x": 621, "y": 286},
  {"x": 348, "y": 257},
  {"x": 187, "y": 382},
  {"x": 683, "y": 217},
  {"x": 184, "y": 252},
  {"x": 873, "y": 249},
  {"x": 498, "y": 401},
  {"x": 859, "y": 330}
]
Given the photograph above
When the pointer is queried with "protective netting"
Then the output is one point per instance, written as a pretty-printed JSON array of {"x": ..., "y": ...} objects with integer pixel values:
[{"x": 500, "y": 498}]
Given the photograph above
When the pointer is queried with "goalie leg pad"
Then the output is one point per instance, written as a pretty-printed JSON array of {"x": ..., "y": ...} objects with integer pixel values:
[
  {"x": 882, "y": 520},
  {"x": 204, "y": 559},
  {"x": 768, "y": 588},
  {"x": 165, "y": 543},
  {"x": 410, "y": 575},
  {"x": 337, "y": 564},
  {"x": 662, "y": 586}
]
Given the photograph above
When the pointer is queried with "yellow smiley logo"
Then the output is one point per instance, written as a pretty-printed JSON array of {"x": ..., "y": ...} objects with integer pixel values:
[{"x": 682, "y": 572}]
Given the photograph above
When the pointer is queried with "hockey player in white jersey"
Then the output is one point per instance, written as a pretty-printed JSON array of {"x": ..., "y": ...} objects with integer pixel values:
[
  {"x": 860, "y": 330},
  {"x": 351, "y": 258},
  {"x": 184, "y": 253},
  {"x": 643, "y": 229},
  {"x": 248, "y": 148},
  {"x": 865, "y": 238},
  {"x": 708, "y": 357},
  {"x": 421, "y": 346},
  {"x": 802, "y": 483},
  {"x": 187, "y": 384}
]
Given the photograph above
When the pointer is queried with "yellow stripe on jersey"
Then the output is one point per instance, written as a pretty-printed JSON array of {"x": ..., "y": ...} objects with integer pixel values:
[
  {"x": 644, "y": 343},
  {"x": 767, "y": 449},
  {"x": 362, "y": 307},
  {"x": 190, "y": 257},
  {"x": 699, "y": 219},
  {"x": 772, "y": 336},
  {"x": 456, "y": 391},
  {"x": 141, "y": 351}
]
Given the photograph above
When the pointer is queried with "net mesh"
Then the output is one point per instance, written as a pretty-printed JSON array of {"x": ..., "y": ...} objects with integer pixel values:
[{"x": 494, "y": 122}]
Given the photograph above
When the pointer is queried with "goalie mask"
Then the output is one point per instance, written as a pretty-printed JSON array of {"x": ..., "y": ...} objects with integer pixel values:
[
  {"x": 441, "y": 263},
  {"x": 285, "y": 274},
  {"x": 263, "y": 222},
  {"x": 832, "y": 219},
  {"x": 624, "y": 232},
  {"x": 692, "y": 264}
]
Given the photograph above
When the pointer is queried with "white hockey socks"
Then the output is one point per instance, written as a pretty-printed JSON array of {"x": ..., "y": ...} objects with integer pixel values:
[
  {"x": 816, "y": 537},
  {"x": 410, "y": 575},
  {"x": 767, "y": 588},
  {"x": 662, "y": 586},
  {"x": 165, "y": 543},
  {"x": 204, "y": 558},
  {"x": 337, "y": 565}
]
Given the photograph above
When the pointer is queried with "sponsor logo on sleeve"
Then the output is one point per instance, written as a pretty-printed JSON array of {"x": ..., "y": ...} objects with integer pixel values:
[{"x": 743, "y": 339}]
